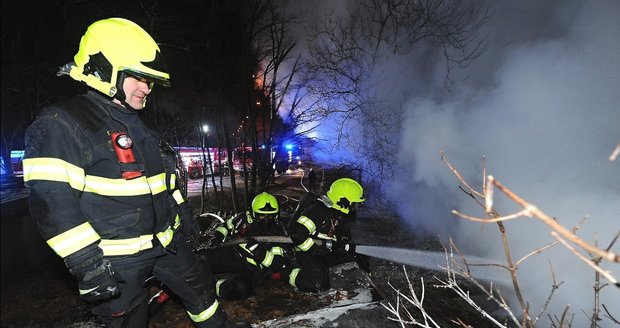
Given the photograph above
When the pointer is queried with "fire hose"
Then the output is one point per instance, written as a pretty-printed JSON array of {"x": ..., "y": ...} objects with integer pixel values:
[{"x": 432, "y": 260}]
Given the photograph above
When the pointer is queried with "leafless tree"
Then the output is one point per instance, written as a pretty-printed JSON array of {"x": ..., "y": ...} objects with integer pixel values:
[
  {"x": 347, "y": 50},
  {"x": 566, "y": 237},
  {"x": 272, "y": 68},
  {"x": 408, "y": 307}
]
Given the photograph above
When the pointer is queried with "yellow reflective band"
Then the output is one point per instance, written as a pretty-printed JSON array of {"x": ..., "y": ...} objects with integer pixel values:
[
  {"x": 217, "y": 287},
  {"x": 222, "y": 230},
  {"x": 173, "y": 181},
  {"x": 325, "y": 236},
  {"x": 206, "y": 314},
  {"x": 129, "y": 246},
  {"x": 306, "y": 222},
  {"x": 230, "y": 224},
  {"x": 251, "y": 261},
  {"x": 244, "y": 246},
  {"x": 177, "y": 222},
  {"x": 73, "y": 240},
  {"x": 86, "y": 291},
  {"x": 277, "y": 250},
  {"x": 293, "y": 277},
  {"x": 248, "y": 216},
  {"x": 53, "y": 169},
  {"x": 305, "y": 246},
  {"x": 178, "y": 197},
  {"x": 267, "y": 260},
  {"x": 157, "y": 183},
  {"x": 117, "y": 187},
  {"x": 165, "y": 237}
]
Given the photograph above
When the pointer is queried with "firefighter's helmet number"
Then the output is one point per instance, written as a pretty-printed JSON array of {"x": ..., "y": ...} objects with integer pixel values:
[{"x": 124, "y": 141}]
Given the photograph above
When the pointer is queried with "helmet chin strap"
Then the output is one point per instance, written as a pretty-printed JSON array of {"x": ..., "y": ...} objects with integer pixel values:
[{"x": 120, "y": 92}]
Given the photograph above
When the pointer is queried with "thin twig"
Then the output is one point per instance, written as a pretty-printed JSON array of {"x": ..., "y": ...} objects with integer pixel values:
[
  {"x": 497, "y": 219},
  {"x": 615, "y": 153},
  {"x": 554, "y": 286},
  {"x": 536, "y": 251},
  {"x": 535, "y": 212},
  {"x": 458, "y": 175},
  {"x": 610, "y": 316},
  {"x": 606, "y": 274}
]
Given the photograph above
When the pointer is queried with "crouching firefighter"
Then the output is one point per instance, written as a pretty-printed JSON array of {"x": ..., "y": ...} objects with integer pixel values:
[
  {"x": 327, "y": 218},
  {"x": 102, "y": 186},
  {"x": 245, "y": 265}
]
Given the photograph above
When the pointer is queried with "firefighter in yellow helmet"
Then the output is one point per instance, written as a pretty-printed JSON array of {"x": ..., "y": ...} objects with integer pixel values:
[
  {"x": 327, "y": 218},
  {"x": 103, "y": 189},
  {"x": 249, "y": 262}
]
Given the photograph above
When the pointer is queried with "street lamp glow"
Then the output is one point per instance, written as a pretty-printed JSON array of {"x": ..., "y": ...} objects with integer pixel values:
[{"x": 205, "y": 128}]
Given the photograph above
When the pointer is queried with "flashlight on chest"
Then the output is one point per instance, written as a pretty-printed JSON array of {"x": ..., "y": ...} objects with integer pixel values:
[{"x": 123, "y": 146}]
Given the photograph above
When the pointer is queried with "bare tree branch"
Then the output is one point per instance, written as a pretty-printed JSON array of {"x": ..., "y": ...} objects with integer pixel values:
[{"x": 615, "y": 153}]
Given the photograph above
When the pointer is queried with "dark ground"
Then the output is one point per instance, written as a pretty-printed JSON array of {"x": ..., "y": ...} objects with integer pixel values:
[{"x": 46, "y": 297}]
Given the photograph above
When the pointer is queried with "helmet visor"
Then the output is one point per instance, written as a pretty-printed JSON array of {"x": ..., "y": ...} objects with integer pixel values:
[{"x": 151, "y": 78}]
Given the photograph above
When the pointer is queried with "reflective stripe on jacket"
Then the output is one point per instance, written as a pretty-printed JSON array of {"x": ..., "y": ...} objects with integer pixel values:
[
  {"x": 314, "y": 222},
  {"x": 78, "y": 195}
]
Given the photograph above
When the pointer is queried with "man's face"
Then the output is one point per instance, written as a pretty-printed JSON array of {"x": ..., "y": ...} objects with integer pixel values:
[{"x": 136, "y": 89}]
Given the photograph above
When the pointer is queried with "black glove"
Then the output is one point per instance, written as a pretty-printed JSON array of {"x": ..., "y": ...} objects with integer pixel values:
[
  {"x": 96, "y": 279},
  {"x": 212, "y": 239},
  {"x": 100, "y": 283},
  {"x": 189, "y": 224}
]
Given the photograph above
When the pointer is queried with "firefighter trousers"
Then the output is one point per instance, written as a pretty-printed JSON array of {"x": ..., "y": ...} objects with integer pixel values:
[
  {"x": 240, "y": 277},
  {"x": 311, "y": 272},
  {"x": 184, "y": 273}
]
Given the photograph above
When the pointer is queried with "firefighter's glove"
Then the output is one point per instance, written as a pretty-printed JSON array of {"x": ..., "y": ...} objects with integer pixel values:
[
  {"x": 342, "y": 245},
  {"x": 213, "y": 239},
  {"x": 100, "y": 283},
  {"x": 189, "y": 225}
]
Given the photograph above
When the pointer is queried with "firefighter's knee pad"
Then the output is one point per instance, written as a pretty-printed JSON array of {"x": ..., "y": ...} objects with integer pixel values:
[{"x": 235, "y": 288}]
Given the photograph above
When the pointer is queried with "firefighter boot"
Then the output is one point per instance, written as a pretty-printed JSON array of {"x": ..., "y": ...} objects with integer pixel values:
[{"x": 236, "y": 288}]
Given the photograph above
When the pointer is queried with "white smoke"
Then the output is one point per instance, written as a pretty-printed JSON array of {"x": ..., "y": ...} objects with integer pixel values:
[{"x": 543, "y": 106}]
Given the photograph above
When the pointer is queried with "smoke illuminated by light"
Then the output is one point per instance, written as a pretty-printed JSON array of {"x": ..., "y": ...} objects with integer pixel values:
[{"x": 542, "y": 106}]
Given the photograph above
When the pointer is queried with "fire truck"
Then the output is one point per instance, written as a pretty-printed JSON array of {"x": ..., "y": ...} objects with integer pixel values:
[
  {"x": 242, "y": 156},
  {"x": 193, "y": 159}
]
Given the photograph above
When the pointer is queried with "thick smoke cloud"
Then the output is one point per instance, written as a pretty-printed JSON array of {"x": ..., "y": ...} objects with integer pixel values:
[{"x": 543, "y": 106}]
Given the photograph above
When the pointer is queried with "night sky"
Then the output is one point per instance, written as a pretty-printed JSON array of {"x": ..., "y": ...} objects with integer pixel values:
[{"x": 199, "y": 40}]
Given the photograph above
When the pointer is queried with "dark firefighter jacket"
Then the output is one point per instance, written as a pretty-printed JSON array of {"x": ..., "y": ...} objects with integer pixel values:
[
  {"x": 266, "y": 257},
  {"x": 79, "y": 198},
  {"x": 319, "y": 221}
]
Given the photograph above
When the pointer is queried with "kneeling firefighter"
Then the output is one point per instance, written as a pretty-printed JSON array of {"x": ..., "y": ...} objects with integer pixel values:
[
  {"x": 247, "y": 264},
  {"x": 103, "y": 189},
  {"x": 328, "y": 218}
]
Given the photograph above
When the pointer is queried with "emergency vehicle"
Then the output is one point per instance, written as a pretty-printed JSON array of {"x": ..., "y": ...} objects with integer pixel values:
[{"x": 194, "y": 157}]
